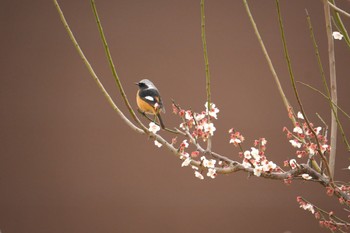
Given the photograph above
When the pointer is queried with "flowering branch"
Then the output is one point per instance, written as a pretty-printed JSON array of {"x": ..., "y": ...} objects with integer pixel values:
[
  {"x": 297, "y": 95},
  {"x": 326, "y": 219},
  {"x": 325, "y": 85}
]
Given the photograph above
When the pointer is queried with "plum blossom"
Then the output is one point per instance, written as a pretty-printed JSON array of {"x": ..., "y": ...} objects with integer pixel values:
[
  {"x": 186, "y": 162},
  {"x": 211, "y": 173},
  {"x": 153, "y": 127},
  {"x": 247, "y": 154},
  {"x": 213, "y": 110},
  {"x": 337, "y": 35},
  {"x": 306, "y": 176},
  {"x": 300, "y": 115},
  {"x": 198, "y": 175},
  {"x": 308, "y": 206},
  {"x": 158, "y": 144},
  {"x": 209, "y": 128},
  {"x": 208, "y": 163},
  {"x": 295, "y": 143},
  {"x": 258, "y": 170},
  {"x": 297, "y": 129},
  {"x": 269, "y": 166}
]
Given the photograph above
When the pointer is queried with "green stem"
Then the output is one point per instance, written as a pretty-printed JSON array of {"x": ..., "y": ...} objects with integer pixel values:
[
  {"x": 92, "y": 72},
  {"x": 111, "y": 64},
  {"x": 207, "y": 71},
  {"x": 268, "y": 59}
]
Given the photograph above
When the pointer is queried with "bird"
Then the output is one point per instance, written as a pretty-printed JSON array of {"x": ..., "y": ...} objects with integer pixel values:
[{"x": 149, "y": 101}]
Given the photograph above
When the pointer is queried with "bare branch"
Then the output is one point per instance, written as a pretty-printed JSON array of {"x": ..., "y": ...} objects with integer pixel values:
[
  {"x": 207, "y": 71},
  {"x": 333, "y": 82},
  {"x": 92, "y": 72},
  {"x": 268, "y": 59},
  {"x": 114, "y": 72}
]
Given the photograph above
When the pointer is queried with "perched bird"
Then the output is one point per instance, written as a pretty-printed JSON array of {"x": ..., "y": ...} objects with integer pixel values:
[{"x": 148, "y": 100}]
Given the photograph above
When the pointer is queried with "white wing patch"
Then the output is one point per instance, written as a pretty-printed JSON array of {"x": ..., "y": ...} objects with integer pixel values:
[{"x": 150, "y": 98}]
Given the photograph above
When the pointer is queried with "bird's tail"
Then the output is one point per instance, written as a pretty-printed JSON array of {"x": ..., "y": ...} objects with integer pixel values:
[{"x": 160, "y": 121}]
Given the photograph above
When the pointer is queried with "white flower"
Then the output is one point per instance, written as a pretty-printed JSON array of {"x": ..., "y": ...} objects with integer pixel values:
[
  {"x": 295, "y": 143},
  {"x": 306, "y": 176},
  {"x": 235, "y": 140},
  {"x": 186, "y": 162},
  {"x": 258, "y": 170},
  {"x": 247, "y": 154},
  {"x": 318, "y": 130},
  {"x": 158, "y": 144},
  {"x": 269, "y": 166},
  {"x": 337, "y": 35},
  {"x": 311, "y": 152},
  {"x": 209, "y": 163},
  {"x": 183, "y": 126},
  {"x": 297, "y": 129},
  {"x": 211, "y": 173},
  {"x": 255, "y": 153},
  {"x": 324, "y": 147},
  {"x": 213, "y": 110},
  {"x": 199, "y": 117},
  {"x": 198, "y": 175},
  {"x": 188, "y": 115},
  {"x": 184, "y": 143},
  {"x": 194, "y": 168},
  {"x": 153, "y": 127},
  {"x": 308, "y": 207},
  {"x": 209, "y": 128},
  {"x": 263, "y": 142},
  {"x": 300, "y": 115}
]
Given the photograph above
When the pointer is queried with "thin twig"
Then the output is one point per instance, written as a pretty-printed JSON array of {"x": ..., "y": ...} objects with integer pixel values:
[
  {"x": 207, "y": 71},
  {"x": 111, "y": 64},
  {"x": 337, "y": 9},
  {"x": 268, "y": 59},
  {"x": 325, "y": 96},
  {"x": 339, "y": 23},
  {"x": 333, "y": 82},
  {"x": 92, "y": 72}
]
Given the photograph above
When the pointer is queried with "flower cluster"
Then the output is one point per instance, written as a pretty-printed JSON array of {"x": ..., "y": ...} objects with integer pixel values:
[
  {"x": 326, "y": 219},
  {"x": 186, "y": 158},
  {"x": 303, "y": 138},
  {"x": 255, "y": 158},
  {"x": 199, "y": 123},
  {"x": 235, "y": 137}
]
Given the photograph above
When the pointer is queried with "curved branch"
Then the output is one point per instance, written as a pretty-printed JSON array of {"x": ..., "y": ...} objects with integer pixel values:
[
  {"x": 268, "y": 59},
  {"x": 114, "y": 72}
]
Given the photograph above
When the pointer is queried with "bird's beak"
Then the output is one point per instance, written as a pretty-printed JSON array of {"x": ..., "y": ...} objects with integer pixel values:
[{"x": 137, "y": 84}]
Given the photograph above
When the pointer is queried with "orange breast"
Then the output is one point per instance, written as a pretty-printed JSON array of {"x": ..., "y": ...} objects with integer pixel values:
[{"x": 143, "y": 105}]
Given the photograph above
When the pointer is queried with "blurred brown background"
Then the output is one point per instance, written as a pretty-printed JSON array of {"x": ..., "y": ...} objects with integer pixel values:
[{"x": 69, "y": 164}]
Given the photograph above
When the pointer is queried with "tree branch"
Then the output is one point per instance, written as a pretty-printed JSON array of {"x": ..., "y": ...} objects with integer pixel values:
[
  {"x": 333, "y": 82},
  {"x": 268, "y": 59},
  {"x": 207, "y": 71},
  {"x": 92, "y": 72}
]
